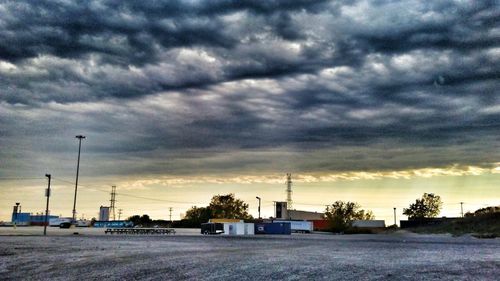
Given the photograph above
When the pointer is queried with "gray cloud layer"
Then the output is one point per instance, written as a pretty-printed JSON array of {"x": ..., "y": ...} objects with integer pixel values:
[{"x": 249, "y": 85}]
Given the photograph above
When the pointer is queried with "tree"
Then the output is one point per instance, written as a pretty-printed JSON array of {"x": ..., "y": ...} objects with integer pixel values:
[
  {"x": 228, "y": 207},
  {"x": 428, "y": 206},
  {"x": 140, "y": 220},
  {"x": 221, "y": 206},
  {"x": 484, "y": 211},
  {"x": 197, "y": 216},
  {"x": 341, "y": 214}
]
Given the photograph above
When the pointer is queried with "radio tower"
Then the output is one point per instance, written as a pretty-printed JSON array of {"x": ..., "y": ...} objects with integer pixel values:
[
  {"x": 113, "y": 200},
  {"x": 289, "y": 191}
]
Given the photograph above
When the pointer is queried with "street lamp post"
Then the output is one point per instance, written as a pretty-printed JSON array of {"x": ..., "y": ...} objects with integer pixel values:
[
  {"x": 47, "y": 193},
  {"x": 395, "y": 216},
  {"x": 79, "y": 137},
  {"x": 259, "y": 204}
]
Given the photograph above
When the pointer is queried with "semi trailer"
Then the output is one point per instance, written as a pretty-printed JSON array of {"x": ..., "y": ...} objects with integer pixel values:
[{"x": 299, "y": 226}]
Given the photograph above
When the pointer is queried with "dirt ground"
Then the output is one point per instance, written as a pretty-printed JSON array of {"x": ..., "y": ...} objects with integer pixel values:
[{"x": 91, "y": 255}]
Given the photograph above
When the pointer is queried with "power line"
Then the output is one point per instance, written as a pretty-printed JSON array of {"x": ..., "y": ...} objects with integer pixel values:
[
  {"x": 20, "y": 178},
  {"x": 130, "y": 195},
  {"x": 267, "y": 202},
  {"x": 86, "y": 186}
]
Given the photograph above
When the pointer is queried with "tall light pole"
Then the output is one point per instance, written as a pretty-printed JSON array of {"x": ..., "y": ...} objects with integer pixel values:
[
  {"x": 79, "y": 137},
  {"x": 259, "y": 204},
  {"x": 47, "y": 193}
]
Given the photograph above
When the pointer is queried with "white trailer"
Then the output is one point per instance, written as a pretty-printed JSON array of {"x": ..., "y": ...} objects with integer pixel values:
[
  {"x": 249, "y": 229},
  {"x": 234, "y": 228},
  {"x": 238, "y": 228},
  {"x": 299, "y": 226},
  {"x": 57, "y": 221}
]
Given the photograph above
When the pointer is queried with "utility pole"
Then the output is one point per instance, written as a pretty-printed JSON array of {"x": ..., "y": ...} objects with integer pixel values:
[
  {"x": 462, "y": 208},
  {"x": 119, "y": 214},
  {"x": 170, "y": 211},
  {"x": 79, "y": 137},
  {"x": 47, "y": 194},
  {"x": 259, "y": 204},
  {"x": 113, "y": 200},
  {"x": 395, "y": 216}
]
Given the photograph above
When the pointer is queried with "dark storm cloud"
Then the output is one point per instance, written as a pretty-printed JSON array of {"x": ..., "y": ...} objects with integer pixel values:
[
  {"x": 67, "y": 29},
  {"x": 151, "y": 78},
  {"x": 118, "y": 34}
]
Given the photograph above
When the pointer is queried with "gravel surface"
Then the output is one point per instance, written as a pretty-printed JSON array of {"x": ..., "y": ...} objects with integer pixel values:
[{"x": 399, "y": 256}]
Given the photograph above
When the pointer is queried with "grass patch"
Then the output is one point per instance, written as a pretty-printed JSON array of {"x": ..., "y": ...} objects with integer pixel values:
[{"x": 480, "y": 226}]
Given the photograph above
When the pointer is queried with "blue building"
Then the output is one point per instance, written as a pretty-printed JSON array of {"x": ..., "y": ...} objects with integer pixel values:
[
  {"x": 29, "y": 219},
  {"x": 114, "y": 224},
  {"x": 40, "y": 219},
  {"x": 21, "y": 218}
]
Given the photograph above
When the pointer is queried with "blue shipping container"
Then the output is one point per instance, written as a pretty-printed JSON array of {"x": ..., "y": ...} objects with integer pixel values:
[{"x": 273, "y": 228}]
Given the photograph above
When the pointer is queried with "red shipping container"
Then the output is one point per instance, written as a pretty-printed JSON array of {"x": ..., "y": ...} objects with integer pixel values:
[{"x": 320, "y": 225}]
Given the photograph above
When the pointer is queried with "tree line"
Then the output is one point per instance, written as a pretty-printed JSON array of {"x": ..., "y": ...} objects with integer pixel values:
[{"x": 339, "y": 214}]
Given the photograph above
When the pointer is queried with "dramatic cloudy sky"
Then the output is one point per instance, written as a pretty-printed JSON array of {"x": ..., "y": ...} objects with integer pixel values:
[{"x": 227, "y": 96}]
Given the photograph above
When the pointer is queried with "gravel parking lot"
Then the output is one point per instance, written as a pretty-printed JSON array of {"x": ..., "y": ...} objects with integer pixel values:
[{"x": 188, "y": 256}]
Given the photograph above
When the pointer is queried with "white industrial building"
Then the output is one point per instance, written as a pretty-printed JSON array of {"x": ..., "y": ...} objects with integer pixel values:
[{"x": 281, "y": 212}]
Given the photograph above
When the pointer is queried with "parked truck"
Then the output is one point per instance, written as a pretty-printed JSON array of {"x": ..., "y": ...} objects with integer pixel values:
[
  {"x": 60, "y": 222},
  {"x": 211, "y": 228}
]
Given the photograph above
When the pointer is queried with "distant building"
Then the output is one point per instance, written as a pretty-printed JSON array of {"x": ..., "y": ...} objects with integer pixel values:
[
  {"x": 104, "y": 213},
  {"x": 281, "y": 212},
  {"x": 21, "y": 218},
  {"x": 304, "y": 215},
  {"x": 40, "y": 219},
  {"x": 369, "y": 223}
]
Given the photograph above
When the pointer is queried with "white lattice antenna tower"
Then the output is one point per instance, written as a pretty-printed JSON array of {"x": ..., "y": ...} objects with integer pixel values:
[
  {"x": 289, "y": 191},
  {"x": 113, "y": 201}
]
